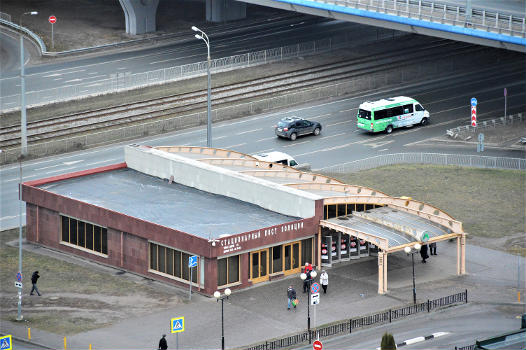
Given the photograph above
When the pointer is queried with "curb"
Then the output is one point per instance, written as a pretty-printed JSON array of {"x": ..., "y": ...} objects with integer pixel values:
[{"x": 21, "y": 340}]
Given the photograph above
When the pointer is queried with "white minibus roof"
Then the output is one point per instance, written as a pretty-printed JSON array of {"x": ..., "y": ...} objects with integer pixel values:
[{"x": 369, "y": 105}]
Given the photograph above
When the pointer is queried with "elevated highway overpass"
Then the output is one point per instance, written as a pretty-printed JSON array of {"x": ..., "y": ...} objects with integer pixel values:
[{"x": 494, "y": 24}]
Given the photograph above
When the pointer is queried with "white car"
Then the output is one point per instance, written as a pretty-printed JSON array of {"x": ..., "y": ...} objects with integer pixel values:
[{"x": 276, "y": 157}]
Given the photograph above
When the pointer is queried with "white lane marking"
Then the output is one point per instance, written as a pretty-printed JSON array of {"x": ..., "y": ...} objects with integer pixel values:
[
  {"x": 383, "y": 150},
  {"x": 295, "y": 144},
  {"x": 73, "y": 80},
  {"x": 266, "y": 139},
  {"x": 105, "y": 161},
  {"x": 11, "y": 217},
  {"x": 163, "y": 61},
  {"x": 345, "y": 121},
  {"x": 220, "y": 137},
  {"x": 52, "y": 75},
  {"x": 56, "y": 79},
  {"x": 91, "y": 85},
  {"x": 47, "y": 167},
  {"x": 347, "y": 110},
  {"x": 241, "y": 144},
  {"x": 121, "y": 68},
  {"x": 93, "y": 73},
  {"x": 249, "y": 131},
  {"x": 18, "y": 179},
  {"x": 73, "y": 162},
  {"x": 61, "y": 170},
  {"x": 329, "y": 136}
]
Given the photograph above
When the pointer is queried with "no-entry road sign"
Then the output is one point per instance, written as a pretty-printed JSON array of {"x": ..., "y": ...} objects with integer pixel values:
[
  {"x": 317, "y": 345},
  {"x": 52, "y": 19}
]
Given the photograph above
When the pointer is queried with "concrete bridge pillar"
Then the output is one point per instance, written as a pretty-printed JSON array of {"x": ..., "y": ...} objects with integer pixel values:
[
  {"x": 140, "y": 15},
  {"x": 225, "y": 10}
]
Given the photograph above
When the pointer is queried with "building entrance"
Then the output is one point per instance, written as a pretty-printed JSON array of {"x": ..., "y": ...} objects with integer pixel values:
[
  {"x": 259, "y": 266},
  {"x": 291, "y": 258}
]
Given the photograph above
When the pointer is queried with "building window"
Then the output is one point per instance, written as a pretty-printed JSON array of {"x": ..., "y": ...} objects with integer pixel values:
[
  {"x": 171, "y": 262},
  {"x": 228, "y": 270},
  {"x": 85, "y": 235}
]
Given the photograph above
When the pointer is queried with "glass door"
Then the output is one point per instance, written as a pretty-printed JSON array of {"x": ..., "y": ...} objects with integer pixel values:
[
  {"x": 291, "y": 258},
  {"x": 259, "y": 266}
]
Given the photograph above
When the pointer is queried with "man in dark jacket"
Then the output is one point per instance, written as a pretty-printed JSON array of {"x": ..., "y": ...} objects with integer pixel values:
[
  {"x": 34, "y": 279},
  {"x": 423, "y": 253},
  {"x": 163, "y": 344},
  {"x": 291, "y": 295}
]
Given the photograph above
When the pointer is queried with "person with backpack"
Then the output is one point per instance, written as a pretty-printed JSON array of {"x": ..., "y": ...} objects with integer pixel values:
[{"x": 291, "y": 297}]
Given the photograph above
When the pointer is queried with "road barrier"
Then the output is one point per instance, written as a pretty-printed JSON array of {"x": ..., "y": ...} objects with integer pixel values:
[{"x": 348, "y": 325}]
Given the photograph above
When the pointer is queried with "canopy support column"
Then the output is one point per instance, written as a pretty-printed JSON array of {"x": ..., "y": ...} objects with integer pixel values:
[
  {"x": 461, "y": 254},
  {"x": 382, "y": 272}
]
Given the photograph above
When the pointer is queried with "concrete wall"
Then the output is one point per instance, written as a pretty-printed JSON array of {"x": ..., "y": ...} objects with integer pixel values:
[{"x": 209, "y": 178}]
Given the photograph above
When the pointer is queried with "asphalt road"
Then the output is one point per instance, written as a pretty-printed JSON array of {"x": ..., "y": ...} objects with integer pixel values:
[
  {"x": 446, "y": 98},
  {"x": 92, "y": 71},
  {"x": 459, "y": 326}
]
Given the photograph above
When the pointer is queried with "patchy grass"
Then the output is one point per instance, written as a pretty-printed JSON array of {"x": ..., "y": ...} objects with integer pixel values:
[
  {"x": 489, "y": 202},
  {"x": 73, "y": 293}
]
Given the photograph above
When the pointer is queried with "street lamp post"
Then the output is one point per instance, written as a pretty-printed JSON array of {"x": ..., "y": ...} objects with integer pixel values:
[
  {"x": 23, "y": 131},
  {"x": 218, "y": 296},
  {"x": 204, "y": 37},
  {"x": 303, "y": 276},
  {"x": 412, "y": 251},
  {"x": 23, "y": 153}
]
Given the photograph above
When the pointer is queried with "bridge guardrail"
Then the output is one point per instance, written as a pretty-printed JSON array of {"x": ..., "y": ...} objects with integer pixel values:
[{"x": 481, "y": 19}]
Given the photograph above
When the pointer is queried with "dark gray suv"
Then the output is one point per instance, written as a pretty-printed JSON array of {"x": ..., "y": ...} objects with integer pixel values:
[{"x": 292, "y": 127}]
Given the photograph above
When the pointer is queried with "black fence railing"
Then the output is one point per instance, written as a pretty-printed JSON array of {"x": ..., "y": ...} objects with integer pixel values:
[
  {"x": 467, "y": 347},
  {"x": 347, "y": 326}
]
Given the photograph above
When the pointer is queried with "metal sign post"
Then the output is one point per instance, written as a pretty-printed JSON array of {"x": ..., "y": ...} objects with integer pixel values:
[
  {"x": 52, "y": 19},
  {"x": 192, "y": 262}
]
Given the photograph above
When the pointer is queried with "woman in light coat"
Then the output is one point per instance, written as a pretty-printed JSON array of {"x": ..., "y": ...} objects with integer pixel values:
[{"x": 324, "y": 281}]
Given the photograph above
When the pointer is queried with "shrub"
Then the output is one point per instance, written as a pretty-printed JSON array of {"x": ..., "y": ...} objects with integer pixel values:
[{"x": 388, "y": 342}]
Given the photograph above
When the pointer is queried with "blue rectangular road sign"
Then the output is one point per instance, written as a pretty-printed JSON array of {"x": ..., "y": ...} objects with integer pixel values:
[
  {"x": 177, "y": 325},
  {"x": 192, "y": 261},
  {"x": 6, "y": 343}
]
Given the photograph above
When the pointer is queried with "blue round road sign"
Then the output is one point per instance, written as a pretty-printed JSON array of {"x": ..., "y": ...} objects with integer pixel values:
[
  {"x": 473, "y": 101},
  {"x": 19, "y": 277},
  {"x": 315, "y": 288}
]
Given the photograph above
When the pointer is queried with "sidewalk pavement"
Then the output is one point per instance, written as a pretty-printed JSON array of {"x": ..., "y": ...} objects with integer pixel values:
[{"x": 260, "y": 313}]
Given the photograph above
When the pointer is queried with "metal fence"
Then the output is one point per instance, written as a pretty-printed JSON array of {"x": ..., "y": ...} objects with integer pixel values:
[
  {"x": 427, "y": 158},
  {"x": 348, "y": 325},
  {"x": 454, "y": 15},
  {"x": 465, "y": 130},
  {"x": 127, "y": 81}
]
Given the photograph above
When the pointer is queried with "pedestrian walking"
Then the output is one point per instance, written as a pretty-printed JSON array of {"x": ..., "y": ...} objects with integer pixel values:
[
  {"x": 324, "y": 280},
  {"x": 423, "y": 253},
  {"x": 34, "y": 279},
  {"x": 163, "y": 344},
  {"x": 433, "y": 248},
  {"x": 291, "y": 297}
]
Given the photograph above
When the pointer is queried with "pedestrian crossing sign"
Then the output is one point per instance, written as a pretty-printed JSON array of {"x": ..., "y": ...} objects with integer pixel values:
[
  {"x": 5, "y": 343},
  {"x": 177, "y": 325}
]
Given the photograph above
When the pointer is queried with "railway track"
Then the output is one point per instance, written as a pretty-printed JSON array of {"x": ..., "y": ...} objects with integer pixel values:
[{"x": 150, "y": 110}]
